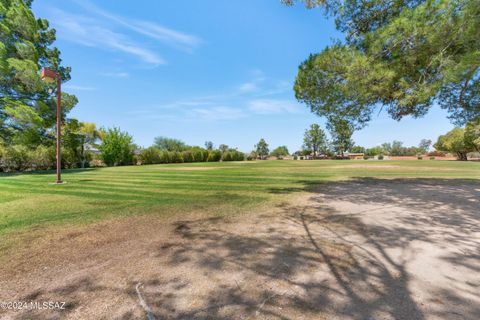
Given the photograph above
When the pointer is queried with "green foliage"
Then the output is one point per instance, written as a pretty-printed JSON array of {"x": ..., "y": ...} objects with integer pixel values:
[
  {"x": 454, "y": 142},
  {"x": 357, "y": 149},
  {"x": 341, "y": 131},
  {"x": 233, "y": 155},
  {"x": 472, "y": 135},
  {"x": 154, "y": 155},
  {"x": 150, "y": 155},
  {"x": 27, "y": 106},
  {"x": 175, "y": 157},
  {"x": 402, "y": 55},
  {"x": 375, "y": 151},
  {"x": 214, "y": 156},
  {"x": 227, "y": 156},
  {"x": 424, "y": 145},
  {"x": 16, "y": 158},
  {"x": 170, "y": 144},
  {"x": 223, "y": 148},
  {"x": 21, "y": 158},
  {"x": 315, "y": 140},
  {"x": 261, "y": 148},
  {"x": 396, "y": 148},
  {"x": 209, "y": 145},
  {"x": 280, "y": 152},
  {"x": 116, "y": 148},
  {"x": 188, "y": 156}
]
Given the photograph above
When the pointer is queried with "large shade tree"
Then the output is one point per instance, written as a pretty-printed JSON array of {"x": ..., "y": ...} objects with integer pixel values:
[
  {"x": 401, "y": 55},
  {"x": 454, "y": 142},
  {"x": 27, "y": 105}
]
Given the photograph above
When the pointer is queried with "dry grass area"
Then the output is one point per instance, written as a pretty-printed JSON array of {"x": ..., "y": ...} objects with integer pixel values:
[{"x": 358, "y": 249}]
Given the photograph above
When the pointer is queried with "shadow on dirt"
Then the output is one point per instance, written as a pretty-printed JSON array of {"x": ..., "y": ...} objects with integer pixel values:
[{"x": 312, "y": 260}]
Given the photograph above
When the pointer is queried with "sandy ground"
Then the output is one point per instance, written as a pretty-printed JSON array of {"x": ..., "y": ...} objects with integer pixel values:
[{"x": 363, "y": 249}]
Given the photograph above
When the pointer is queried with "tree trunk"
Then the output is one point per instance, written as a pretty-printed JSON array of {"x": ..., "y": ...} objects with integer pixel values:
[{"x": 462, "y": 156}]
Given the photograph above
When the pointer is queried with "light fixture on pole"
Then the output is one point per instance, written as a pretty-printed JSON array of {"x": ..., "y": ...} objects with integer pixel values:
[{"x": 50, "y": 76}]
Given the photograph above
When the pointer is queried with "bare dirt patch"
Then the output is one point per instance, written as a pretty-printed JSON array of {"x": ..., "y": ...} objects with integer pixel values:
[{"x": 360, "y": 249}]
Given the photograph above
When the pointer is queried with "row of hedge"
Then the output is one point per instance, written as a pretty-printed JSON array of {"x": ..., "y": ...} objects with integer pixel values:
[
  {"x": 22, "y": 158},
  {"x": 154, "y": 155}
]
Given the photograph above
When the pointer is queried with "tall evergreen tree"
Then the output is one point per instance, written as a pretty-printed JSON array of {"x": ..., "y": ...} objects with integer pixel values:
[{"x": 27, "y": 105}]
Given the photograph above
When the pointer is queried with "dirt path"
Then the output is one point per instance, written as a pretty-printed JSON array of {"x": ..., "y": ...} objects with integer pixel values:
[{"x": 363, "y": 249}]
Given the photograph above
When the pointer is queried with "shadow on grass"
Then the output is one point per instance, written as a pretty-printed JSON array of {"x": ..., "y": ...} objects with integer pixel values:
[{"x": 45, "y": 172}]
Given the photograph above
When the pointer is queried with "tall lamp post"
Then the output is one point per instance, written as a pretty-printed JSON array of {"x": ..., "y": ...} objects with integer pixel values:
[{"x": 50, "y": 76}]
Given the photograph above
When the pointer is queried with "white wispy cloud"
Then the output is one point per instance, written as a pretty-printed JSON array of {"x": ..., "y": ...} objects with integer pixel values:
[
  {"x": 75, "y": 87},
  {"x": 248, "y": 87},
  {"x": 218, "y": 113},
  {"x": 273, "y": 106},
  {"x": 147, "y": 28},
  {"x": 260, "y": 96},
  {"x": 115, "y": 74},
  {"x": 90, "y": 32}
]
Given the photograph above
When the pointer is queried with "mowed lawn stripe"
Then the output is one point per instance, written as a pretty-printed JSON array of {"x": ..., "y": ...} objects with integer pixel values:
[{"x": 28, "y": 200}]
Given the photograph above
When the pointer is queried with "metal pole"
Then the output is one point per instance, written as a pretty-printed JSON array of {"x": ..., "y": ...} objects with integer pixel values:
[{"x": 59, "y": 117}]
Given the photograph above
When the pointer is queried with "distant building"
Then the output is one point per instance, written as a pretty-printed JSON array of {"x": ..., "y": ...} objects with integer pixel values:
[
  {"x": 355, "y": 156},
  {"x": 92, "y": 149}
]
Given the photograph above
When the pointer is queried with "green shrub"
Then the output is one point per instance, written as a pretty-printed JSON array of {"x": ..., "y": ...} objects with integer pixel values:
[
  {"x": 188, "y": 156},
  {"x": 150, "y": 155},
  {"x": 43, "y": 158},
  {"x": 238, "y": 156},
  {"x": 380, "y": 157},
  {"x": 16, "y": 158},
  {"x": 214, "y": 156},
  {"x": 432, "y": 158},
  {"x": 70, "y": 159},
  {"x": 175, "y": 157},
  {"x": 116, "y": 148},
  {"x": 200, "y": 154},
  {"x": 227, "y": 156}
]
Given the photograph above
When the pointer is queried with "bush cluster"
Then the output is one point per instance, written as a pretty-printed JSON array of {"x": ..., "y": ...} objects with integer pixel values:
[
  {"x": 21, "y": 158},
  {"x": 154, "y": 155}
]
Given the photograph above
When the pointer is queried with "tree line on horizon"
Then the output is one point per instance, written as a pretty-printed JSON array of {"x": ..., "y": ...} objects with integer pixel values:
[
  {"x": 404, "y": 57},
  {"x": 86, "y": 146}
]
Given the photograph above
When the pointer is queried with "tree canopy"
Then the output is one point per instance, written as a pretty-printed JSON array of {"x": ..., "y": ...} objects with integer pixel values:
[
  {"x": 460, "y": 141},
  {"x": 315, "y": 139},
  {"x": 27, "y": 105},
  {"x": 341, "y": 131},
  {"x": 472, "y": 135},
  {"x": 169, "y": 144},
  {"x": 280, "y": 152},
  {"x": 117, "y": 148},
  {"x": 261, "y": 148},
  {"x": 401, "y": 55}
]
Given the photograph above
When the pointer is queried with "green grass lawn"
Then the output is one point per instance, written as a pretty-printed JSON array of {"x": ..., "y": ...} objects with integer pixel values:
[{"x": 29, "y": 201}]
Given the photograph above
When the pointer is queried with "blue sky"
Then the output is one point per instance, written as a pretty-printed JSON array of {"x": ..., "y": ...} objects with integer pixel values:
[{"x": 202, "y": 70}]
